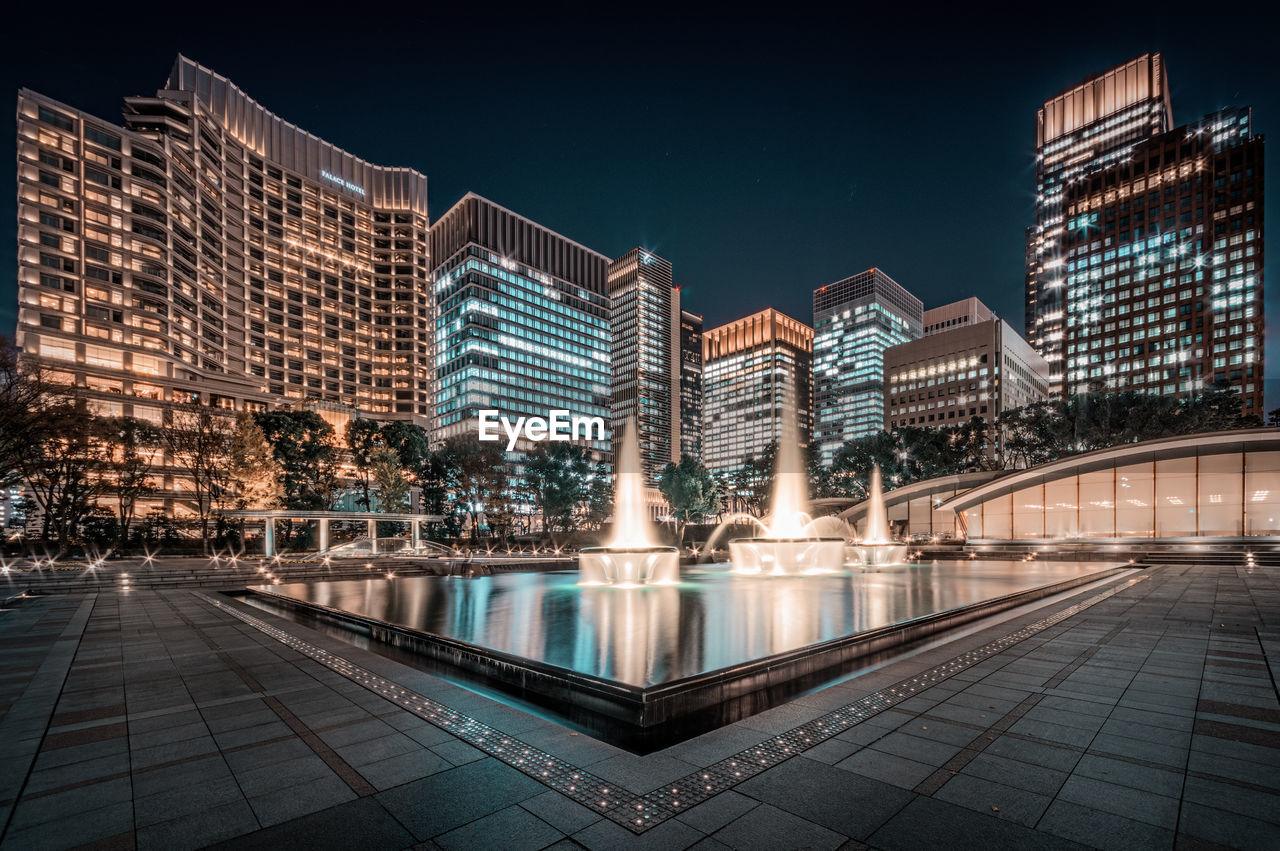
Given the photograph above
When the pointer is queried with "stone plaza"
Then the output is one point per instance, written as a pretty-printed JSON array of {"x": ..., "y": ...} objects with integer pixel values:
[{"x": 1138, "y": 712}]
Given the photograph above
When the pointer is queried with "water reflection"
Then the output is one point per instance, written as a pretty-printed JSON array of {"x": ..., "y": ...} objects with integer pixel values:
[{"x": 645, "y": 636}]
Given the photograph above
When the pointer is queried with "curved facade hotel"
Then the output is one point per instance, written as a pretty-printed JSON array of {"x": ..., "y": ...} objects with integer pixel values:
[
  {"x": 209, "y": 250},
  {"x": 1223, "y": 484}
]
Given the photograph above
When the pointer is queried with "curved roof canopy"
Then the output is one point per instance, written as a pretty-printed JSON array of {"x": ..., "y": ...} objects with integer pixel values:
[{"x": 1161, "y": 449}]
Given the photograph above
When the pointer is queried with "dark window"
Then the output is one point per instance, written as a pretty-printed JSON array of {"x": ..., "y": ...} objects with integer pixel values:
[
  {"x": 93, "y": 134},
  {"x": 57, "y": 119}
]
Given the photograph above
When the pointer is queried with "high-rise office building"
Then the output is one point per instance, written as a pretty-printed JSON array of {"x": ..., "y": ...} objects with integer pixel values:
[
  {"x": 522, "y": 321},
  {"x": 757, "y": 374},
  {"x": 854, "y": 321},
  {"x": 969, "y": 364},
  {"x": 208, "y": 250},
  {"x": 1163, "y": 264},
  {"x": 1088, "y": 127},
  {"x": 691, "y": 384},
  {"x": 644, "y": 315}
]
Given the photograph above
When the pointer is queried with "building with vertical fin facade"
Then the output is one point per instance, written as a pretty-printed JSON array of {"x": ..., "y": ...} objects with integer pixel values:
[{"x": 757, "y": 372}]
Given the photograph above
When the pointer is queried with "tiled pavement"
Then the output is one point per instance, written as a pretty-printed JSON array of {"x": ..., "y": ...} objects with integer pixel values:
[{"x": 157, "y": 719}]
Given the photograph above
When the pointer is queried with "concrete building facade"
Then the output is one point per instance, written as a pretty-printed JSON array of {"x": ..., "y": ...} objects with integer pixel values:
[{"x": 968, "y": 369}]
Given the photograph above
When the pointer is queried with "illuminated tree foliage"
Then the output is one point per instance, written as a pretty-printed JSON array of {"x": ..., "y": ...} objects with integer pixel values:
[
  {"x": 690, "y": 492},
  {"x": 254, "y": 469}
]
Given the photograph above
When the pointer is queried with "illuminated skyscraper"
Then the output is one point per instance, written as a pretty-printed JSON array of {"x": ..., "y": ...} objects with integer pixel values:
[
  {"x": 645, "y": 355},
  {"x": 755, "y": 371},
  {"x": 1086, "y": 128},
  {"x": 209, "y": 250},
  {"x": 522, "y": 321},
  {"x": 1162, "y": 261},
  {"x": 854, "y": 321},
  {"x": 691, "y": 384}
]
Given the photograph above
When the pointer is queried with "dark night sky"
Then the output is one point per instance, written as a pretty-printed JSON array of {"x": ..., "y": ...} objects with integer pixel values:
[{"x": 763, "y": 157}]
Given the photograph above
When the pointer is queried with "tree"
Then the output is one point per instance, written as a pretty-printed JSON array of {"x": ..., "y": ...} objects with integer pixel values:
[
  {"x": 599, "y": 496},
  {"x": 750, "y": 484},
  {"x": 58, "y": 465},
  {"x": 478, "y": 476},
  {"x": 556, "y": 478},
  {"x": 690, "y": 491},
  {"x": 199, "y": 443},
  {"x": 131, "y": 449},
  {"x": 436, "y": 478},
  {"x": 364, "y": 438},
  {"x": 1047, "y": 431},
  {"x": 254, "y": 469},
  {"x": 411, "y": 442},
  {"x": 302, "y": 442},
  {"x": 25, "y": 397},
  {"x": 388, "y": 477}
]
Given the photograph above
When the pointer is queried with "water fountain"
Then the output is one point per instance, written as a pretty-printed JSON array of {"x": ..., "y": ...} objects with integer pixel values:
[
  {"x": 789, "y": 545},
  {"x": 631, "y": 558},
  {"x": 875, "y": 548}
]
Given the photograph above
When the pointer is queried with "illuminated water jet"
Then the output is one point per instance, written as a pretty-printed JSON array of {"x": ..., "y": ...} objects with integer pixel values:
[
  {"x": 789, "y": 545},
  {"x": 876, "y": 548},
  {"x": 632, "y": 558}
]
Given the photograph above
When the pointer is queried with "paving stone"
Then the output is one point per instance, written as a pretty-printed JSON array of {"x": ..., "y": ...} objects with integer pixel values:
[
  {"x": 199, "y": 829},
  {"x": 404, "y": 768},
  {"x": 1148, "y": 778},
  {"x": 766, "y": 827},
  {"x": 87, "y": 827},
  {"x": 289, "y": 802},
  {"x": 604, "y": 835},
  {"x": 715, "y": 813},
  {"x": 1218, "y": 766},
  {"x": 895, "y": 770},
  {"x": 1166, "y": 755},
  {"x": 1101, "y": 829},
  {"x": 831, "y": 751},
  {"x": 173, "y": 752},
  {"x": 851, "y": 805},
  {"x": 1019, "y": 775},
  {"x": 46, "y": 779},
  {"x": 1254, "y": 803},
  {"x": 59, "y": 805},
  {"x": 513, "y": 828},
  {"x": 915, "y": 748},
  {"x": 1055, "y": 733},
  {"x": 641, "y": 774},
  {"x": 928, "y": 822},
  {"x": 268, "y": 778},
  {"x": 1225, "y": 829},
  {"x": 214, "y": 789},
  {"x": 986, "y": 796},
  {"x": 457, "y": 752},
  {"x": 1034, "y": 753},
  {"x": 566, "y": 815},
  {"x": 363, "y": 823},
  {"x": 459, "y": 795}
]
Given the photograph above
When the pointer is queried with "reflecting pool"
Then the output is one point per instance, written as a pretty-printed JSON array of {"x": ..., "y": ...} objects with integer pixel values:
[{"x": 711, "y": 620}]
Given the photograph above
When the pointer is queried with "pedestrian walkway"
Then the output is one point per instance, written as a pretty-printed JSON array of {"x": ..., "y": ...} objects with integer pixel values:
[{"x": 1142, "y": 714}]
